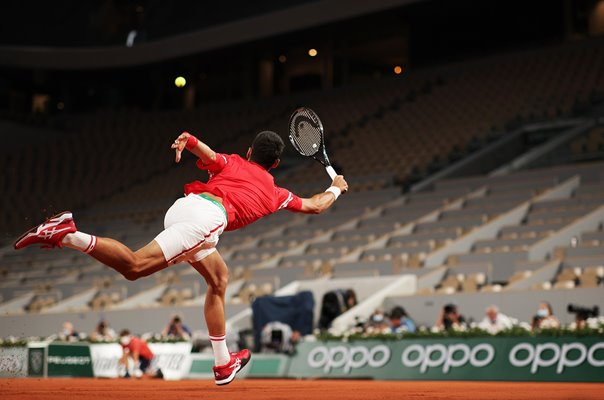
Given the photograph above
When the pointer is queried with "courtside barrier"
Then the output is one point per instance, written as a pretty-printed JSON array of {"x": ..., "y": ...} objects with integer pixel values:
[
  {"x": 66, "y": 359},
  {"x": 260, "y": 366},
  {"x": 578, "y": 359},
  {"x": 37, "y": 352},
  {"x": 543, "y": 358},
  {"x": 105, "y": 358},
  {"x": 174, "y": 359},
  {"x": 101, "y": 359},
  {"x": 13, "y": 362}
]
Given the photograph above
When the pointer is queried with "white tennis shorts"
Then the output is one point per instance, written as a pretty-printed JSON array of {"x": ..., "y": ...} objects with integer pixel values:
[{"x": 192, "y": 227}]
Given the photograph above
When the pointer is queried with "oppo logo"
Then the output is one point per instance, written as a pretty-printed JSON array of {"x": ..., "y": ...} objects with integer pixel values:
[
  {"x": 447, "y": 357},
  {"x": 548, "y": 354},
  {"x": 348, "y": 358}
]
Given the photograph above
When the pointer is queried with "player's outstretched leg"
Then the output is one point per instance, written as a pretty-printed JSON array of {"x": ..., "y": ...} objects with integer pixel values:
[
  {"x": 226, "y": 364},
  {"x": 60, "y": 230}
]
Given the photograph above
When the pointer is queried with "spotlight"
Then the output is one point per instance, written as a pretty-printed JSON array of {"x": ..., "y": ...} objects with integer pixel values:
[
  {"x": 180, "y": 82},
  {"x": 312, "y": 52}
]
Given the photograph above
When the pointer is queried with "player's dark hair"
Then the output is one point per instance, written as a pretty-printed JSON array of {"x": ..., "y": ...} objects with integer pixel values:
[
  {"x": 267, "y": 148},
  {"x": 124, "y": 332}
]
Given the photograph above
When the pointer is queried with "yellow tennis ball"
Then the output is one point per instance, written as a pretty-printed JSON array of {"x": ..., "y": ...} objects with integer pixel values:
[{"x": 180, "y": 81}]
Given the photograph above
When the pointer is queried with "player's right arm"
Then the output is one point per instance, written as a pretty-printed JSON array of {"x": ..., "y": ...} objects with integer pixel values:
[
  {"x": 322, "y": 201},
  {"x": 187, "y": 141}
]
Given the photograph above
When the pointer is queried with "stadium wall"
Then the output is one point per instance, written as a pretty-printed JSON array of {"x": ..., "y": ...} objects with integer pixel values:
[{"x": 542, "y": 358}]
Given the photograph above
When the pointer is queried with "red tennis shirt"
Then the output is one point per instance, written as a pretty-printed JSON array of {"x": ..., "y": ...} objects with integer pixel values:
[
  {"x": 247, "y": 190},
  {"x": 138, "y": 345}
]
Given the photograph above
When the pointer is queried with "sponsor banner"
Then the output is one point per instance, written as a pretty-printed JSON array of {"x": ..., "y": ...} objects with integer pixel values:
[
  {"x": 260, "y": 366},
  {"x": 13, "y": 362},
  {"x": 105, "y": 358},
  {"x": 579, "y": 359},
  {"x": 202, "y": 363},
  {"x": 174, "y": 359},
  {"x": 69, "y": 360},
  {"x": 268, "y": 366},
  {"x": 201, "y": 366}
]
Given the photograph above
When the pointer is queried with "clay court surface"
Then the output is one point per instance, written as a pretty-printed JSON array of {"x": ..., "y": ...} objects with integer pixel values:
[{"x": 93, "y": 389}]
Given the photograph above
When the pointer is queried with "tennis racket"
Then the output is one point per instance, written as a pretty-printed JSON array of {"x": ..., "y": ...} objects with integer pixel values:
[{"x": 307, "y": 136}]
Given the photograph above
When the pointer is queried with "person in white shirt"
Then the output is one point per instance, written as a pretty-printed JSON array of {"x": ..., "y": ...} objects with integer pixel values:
[{"x": 494, "y": 321}]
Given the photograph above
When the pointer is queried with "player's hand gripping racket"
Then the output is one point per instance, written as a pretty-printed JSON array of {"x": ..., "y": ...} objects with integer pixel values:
[{"x": 306, "y": 134}]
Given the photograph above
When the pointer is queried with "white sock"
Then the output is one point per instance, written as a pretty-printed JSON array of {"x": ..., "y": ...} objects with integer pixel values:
[
  {"x": 80, "y": 241},
  {"x": 221, "y": 351}
]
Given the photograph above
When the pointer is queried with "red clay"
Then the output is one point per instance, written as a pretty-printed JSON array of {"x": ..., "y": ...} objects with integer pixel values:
[{"x": 122, "y": 389}]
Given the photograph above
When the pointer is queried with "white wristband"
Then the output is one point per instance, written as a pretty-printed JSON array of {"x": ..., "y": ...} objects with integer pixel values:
[{"x": 335, "y": 190}]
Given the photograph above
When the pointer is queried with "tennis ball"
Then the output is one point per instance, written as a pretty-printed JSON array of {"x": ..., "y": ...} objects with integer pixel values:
[{"x": 180, "y": 81}]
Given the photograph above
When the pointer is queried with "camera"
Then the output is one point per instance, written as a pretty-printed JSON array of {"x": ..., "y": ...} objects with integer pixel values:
[
  {"x": 276, "y": 339},
  {"x": 583, "y": 312}
]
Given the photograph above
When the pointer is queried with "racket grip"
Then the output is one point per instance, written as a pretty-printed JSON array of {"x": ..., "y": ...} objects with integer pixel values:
[{"x": 332, "y": 172}]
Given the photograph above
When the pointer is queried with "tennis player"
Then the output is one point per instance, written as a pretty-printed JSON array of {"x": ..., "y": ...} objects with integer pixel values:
[{"x": 238, "y": 192}]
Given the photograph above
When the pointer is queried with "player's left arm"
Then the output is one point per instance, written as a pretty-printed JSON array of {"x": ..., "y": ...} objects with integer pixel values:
[{"x": 187, "y": 141}]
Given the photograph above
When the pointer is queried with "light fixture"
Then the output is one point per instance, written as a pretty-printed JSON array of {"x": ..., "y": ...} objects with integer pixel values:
[
  {"x": 282, "y": 59},
  {"x": 312, "y": 52},
  {"x": 180, "y": 82},
  {"x": 398, "y": 69}
]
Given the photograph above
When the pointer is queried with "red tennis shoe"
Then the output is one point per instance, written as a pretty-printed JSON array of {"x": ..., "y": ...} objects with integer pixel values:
[
  {"x": 225, "y": 374},
  {"x": 49, "y": 233}
]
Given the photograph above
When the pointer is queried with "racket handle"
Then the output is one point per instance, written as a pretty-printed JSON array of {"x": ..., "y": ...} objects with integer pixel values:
[{"x": 332, "y": 172}]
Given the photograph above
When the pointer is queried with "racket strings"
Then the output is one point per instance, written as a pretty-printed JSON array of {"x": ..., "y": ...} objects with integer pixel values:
[{"x": 306, "y": 133}]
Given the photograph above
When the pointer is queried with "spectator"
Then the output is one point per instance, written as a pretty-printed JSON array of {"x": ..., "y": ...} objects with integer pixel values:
[
  {"x": 545, "y": 319},
  {"x": 69, "y": 333},
  {"x": 494, "y": 321},
  {"x": 351, "y": 299},
  {"x": 400, "y": 321},
  {"x": 103, "y": 332},
  {"x": 335, "y": 303},
  {"x": 450, "y": 319},
  {"x": 176, "y": 330},
  {"x": 138, "y": 350},
  {"x": 378, "y": 322}
]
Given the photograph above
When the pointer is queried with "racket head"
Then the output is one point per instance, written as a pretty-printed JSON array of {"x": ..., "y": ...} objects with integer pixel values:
[{"x": 306, "y": 132}]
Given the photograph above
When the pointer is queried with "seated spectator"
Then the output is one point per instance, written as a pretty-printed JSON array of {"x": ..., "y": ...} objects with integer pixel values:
[
  {"x": 450, "y": 319},
  {"x": 400, "y": 321},
  {"x": 351, "y": 299},
  {"x": 377, "y": 322},
  {"x": 544, "y": 318},
  {"x": 176, "y": 330},
  {"x": 335, "y": 303},
  {"x": 69, "y": 333},
  {"x": 103, "y": 332},
  {"x": 494, "y": 321},
  {"x": 138, "y": 350}
]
